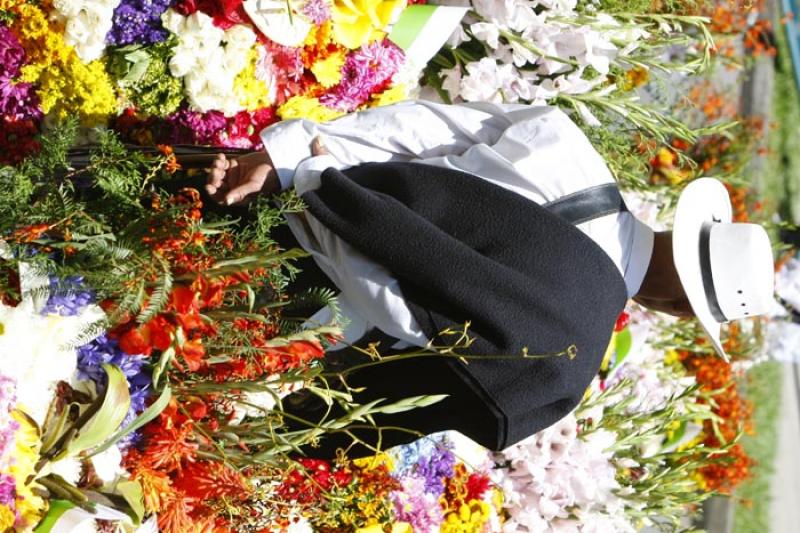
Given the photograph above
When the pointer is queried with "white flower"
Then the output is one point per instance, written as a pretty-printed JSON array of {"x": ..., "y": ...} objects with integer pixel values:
[
  {"x": 209, "y": 59},
  {"x": 35, "y": 351},
  {"x": 107, "y": 465},
  {"x": 86, "y": 24},
  {"x": 486, "y": 32},
  {"x": 452, "y": 81},
  {"x": 458, "y": 36},
  {"x": 587, "y": 116},
  {"x": 485, "y": 80}
]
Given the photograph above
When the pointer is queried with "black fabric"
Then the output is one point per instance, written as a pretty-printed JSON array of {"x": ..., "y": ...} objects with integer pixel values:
[{"x": 463, "y": 250}]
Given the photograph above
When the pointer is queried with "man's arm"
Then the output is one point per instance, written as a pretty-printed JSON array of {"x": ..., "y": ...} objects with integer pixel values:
[{"x": 400, "y": 132}]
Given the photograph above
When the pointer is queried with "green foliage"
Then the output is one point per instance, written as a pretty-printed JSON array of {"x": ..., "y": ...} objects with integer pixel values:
[{"x": 143, "y": 74}]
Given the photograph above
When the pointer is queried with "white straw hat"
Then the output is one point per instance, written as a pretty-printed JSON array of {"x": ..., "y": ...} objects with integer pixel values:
[{"x": 726, "y": 268}]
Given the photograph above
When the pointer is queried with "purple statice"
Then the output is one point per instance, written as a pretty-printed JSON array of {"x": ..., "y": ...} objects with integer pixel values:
[
  {"x": 138, "y": 22},
  {"x": 103, "y": 349},
  {"x": 8, "y": 426},
  {"x": 317, "y": 10},
  {"x": 366, "y": 71},
  {"x": 191, "y": 127},
  {"x": 414, "y": 505},
  {"x": 68, "y": 296},
  {"x": 12, "y": 55}
]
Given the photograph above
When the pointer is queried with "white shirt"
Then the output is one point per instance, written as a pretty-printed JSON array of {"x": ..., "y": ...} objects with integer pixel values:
[{"x": 537, "y": 152}]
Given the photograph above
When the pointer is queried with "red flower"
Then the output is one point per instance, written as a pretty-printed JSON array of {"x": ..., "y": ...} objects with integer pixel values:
[
  {"x": 133, "y": 342},
  {"x": 192, "y": 352},
  {"x": 477, "y": 485}
]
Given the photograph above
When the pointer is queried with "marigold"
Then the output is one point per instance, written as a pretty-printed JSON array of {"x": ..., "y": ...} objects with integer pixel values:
[{"x": 328, "y": 70}]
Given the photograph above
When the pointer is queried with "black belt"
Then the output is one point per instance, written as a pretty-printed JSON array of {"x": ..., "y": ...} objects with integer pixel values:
[{"x": 588, "y": 204}]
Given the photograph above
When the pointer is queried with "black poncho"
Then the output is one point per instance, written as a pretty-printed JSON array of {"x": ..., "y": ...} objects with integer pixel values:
[{"x": 464, "y": 249}]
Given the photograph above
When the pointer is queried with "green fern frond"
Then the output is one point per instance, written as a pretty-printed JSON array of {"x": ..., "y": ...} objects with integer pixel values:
[{"x": 159, "y": 297}]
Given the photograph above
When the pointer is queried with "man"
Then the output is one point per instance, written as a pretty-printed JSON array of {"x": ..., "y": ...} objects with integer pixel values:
[{"x": 504, "y": 216}]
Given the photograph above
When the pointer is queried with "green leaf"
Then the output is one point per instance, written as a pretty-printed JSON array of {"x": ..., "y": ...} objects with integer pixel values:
[
  {"x": 147, "y": 415},
  {"x": 57, "y": 508},
  {"x": 163, "y": 361},
  {"x": 116, "y": 403},
  {"x": 133, "y": 494},
  {"x": 622, "y": 345}
]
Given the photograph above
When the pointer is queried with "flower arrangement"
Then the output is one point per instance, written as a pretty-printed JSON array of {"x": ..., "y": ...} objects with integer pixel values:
[{"x": 146, "y": 68}]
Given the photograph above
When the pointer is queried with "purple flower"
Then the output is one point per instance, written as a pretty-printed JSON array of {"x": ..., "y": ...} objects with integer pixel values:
[
  {"x": 365, "y": 71},
  {"x": 414, "y": 505},
  {"x": 138, "y": 22},
  {"x": 106, "y": 350},
  {"x": 18, "y": 101},
  {"x": 8, "y": 490},
  {"x": 435, "y": 467},
  {"x": 12, "y": 55},
  {"x": 8, "y": 426},
  {"x": 67, "y": 296},
  {"x": 317, "y": 10},
  {"x": 191, "y": 127},
  {"x": 430, "y": 458}
]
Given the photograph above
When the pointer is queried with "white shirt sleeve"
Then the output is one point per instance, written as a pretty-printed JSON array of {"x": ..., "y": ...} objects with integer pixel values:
[{"x": 400, "y": 132}]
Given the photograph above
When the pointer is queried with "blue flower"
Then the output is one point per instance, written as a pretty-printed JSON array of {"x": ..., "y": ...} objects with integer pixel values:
[{"x": 68, "y": 296}]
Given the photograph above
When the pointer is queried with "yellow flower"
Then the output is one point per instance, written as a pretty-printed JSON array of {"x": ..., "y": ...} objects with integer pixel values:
[
  {"x": 26, "y": 454},
  {"x": 398, "y": 93},
  {"x": 67, "y": 86},
  {"x": 328, "y": 70},
  {"x": 253, "y": 93},
  {"x": 309, "y": 108},
  {"x": 470, "y": 518},
  {"x": 7, "y": 518},
  {"x": 355, "y": 22},
  {"x": 374, "y": 461}
]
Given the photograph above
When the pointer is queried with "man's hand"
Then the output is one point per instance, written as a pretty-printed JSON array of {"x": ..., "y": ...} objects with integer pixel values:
[{"x": 234, "y": 181}]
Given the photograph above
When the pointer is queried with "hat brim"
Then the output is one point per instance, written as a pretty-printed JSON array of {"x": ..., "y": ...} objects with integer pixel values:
[{"x": 703, "y": 200}]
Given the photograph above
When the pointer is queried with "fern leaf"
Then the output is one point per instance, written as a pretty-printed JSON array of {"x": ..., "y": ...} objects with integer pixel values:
[{"x": 159, "y": 297}]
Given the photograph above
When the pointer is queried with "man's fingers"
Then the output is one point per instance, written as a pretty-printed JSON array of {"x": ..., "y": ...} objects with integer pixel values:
[
  {"x": 237, "y": 194},
  {"x": 318, "y": 147}
]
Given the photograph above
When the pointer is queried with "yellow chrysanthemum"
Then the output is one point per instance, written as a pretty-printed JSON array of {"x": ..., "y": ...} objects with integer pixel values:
[
  {"x": 7, "y": 518},
  {"x": 328, "y": 71},
  {"x": 355, "y": 22},
  {"x": 26, "y": 454},
  {"x": 308, "y": 108},
  {"x": 51, "y": 63},
  {"x": 253, "y": 92},
  {"x": 398, "y": 93}
]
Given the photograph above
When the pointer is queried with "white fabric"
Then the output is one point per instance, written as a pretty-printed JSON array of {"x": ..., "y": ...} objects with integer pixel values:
[{"x": 537, "y": 152}]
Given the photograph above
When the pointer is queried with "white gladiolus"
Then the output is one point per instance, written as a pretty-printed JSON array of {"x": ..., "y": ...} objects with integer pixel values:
[
  {"x": 557, "y": 50},
  {"x": 559, "y": 481}
]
